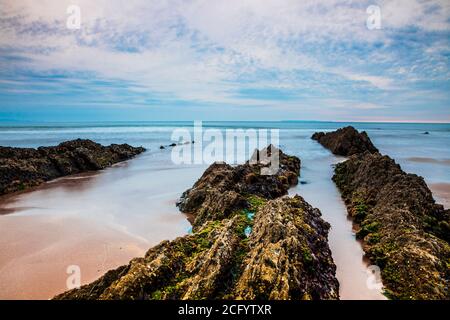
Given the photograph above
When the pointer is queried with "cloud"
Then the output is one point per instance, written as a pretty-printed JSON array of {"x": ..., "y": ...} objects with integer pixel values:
[{"x": 224, "y": 52}]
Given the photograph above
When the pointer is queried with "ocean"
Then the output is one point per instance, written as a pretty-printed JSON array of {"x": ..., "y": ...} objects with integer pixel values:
[{"x": 101, "y": 220}]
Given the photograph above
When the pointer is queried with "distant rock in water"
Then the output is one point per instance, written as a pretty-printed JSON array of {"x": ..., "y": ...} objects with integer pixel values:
[
  {"x": 248, "y": 242},
  {"x": 404, "y": 231},
  {"x": 21, "y": 168},
  {"x": 345, "y": 141},
  {"x": 426, "y": 132},
  {"x": 173, "y": 144}
]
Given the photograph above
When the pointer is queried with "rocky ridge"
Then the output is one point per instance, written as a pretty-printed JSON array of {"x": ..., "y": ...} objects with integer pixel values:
[
  {"x": 403, "y": 230},
  {"x": 345, "y": 141},
  {"x": 21, "y": 168},
  {"x": 249, "y": 241}
]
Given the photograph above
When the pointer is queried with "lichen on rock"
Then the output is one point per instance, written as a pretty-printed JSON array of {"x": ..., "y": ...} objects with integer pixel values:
[
  {"x": 285, "y": 256},
  {"x": 222, "y": 189},
  {"x": 404, "y": 231}
]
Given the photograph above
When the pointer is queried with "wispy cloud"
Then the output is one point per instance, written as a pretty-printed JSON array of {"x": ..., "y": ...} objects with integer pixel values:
[{"x": 302, "y": 54}]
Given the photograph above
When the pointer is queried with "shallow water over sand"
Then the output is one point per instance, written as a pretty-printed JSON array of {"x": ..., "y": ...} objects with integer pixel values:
[
  {"x": 96, "y": 221},
  {"x": 317, "y": 188},
  {"x": 101, "y": 220}
]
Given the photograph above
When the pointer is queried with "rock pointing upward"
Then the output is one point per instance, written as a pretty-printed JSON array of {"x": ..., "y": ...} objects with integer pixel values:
[{"x": 345, "y": 141}]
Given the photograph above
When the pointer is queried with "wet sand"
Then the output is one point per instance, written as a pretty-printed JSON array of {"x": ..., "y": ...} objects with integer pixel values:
[
  {"x": 97, "y": 221},
  {"x": 101, "y": 220},
  {"x": 37, "y": 250}
]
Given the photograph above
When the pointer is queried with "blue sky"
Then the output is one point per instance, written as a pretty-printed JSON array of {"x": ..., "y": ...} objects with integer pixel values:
[{"x": 225, "y": 60}]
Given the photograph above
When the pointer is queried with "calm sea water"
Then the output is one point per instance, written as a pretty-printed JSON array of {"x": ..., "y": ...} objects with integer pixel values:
[
  {"x": 135, "y": 200},
  {"x": 402, "y": 141}
]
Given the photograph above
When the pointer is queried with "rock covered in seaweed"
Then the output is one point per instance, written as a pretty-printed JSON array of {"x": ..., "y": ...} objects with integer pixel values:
[
  {"x": 405, "y": 232},
  {"x": 21, "y": 168},
  {"x": 345, "y": 141},
  {"x": 263, "y": 247},
  {"x": 221, "y": 189},
  {"x": 285, "y": 257},
  {"x": 289, "y": 257}
]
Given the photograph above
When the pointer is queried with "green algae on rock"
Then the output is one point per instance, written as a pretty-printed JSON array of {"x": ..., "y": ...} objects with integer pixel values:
[
  {"x": 223, "y": 189},
  {"x": 285, "y": 256},
  {"x": 21, "y": 168},
  {"x": 403, "y": 230}
]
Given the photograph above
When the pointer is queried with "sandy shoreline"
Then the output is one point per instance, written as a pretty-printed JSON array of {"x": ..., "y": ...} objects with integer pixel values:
[
  {"x": 97, "y": 221},
  {"x": 44, "y": 246},
  {"x": 101, "y": 221}
]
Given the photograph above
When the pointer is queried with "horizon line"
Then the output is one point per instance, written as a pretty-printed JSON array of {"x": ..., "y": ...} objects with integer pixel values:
[{"x": 168, "y": 121}]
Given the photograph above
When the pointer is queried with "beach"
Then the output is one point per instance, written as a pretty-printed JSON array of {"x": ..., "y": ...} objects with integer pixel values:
[{"x": 100, "y": 221}]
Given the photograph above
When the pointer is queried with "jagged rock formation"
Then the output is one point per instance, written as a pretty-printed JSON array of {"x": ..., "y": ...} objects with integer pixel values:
[
  {"x": 288, "y": 255},
  {"x": 222, "y": 188},
  {"x": 345, "y": 141},
  {"x": 248, "y": 243},
  {"x": 404, "y": 231},
  {"x": 21, "y": 168}
]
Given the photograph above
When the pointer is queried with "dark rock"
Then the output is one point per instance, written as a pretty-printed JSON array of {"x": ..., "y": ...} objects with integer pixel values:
[
  {"x": 220, "y": 188},
  {"x": 248, "y": 243},
  {"x": 162, "y": 147},
  {"x": 21, "y": 168},
  {"x": 289, "y": 257},
  {"x": 345, "y": 141},
  {"x": 403, "y": 230},
  {"x": 285, "y": 257},
  {"x": 172, "y": 145},
  {"x": 426, "y": 132}
]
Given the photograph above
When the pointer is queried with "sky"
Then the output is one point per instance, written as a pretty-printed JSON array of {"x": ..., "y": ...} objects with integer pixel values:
[{"x": 225, "y": 60}]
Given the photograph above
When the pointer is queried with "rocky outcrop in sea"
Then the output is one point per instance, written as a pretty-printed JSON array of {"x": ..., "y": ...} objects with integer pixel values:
[
  {"x": 404, "y": 232},
  {"x": 21, "y": 168},
  {"x": 249, "y": 241},
  {"x": 345, "y": 141}
]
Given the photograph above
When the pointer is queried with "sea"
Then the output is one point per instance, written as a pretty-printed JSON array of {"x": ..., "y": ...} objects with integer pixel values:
[{"x": 99, "y": 221}]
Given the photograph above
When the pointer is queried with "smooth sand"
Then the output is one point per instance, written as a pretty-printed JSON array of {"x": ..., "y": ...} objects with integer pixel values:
[
  {"x": 96, "y": 221},
  {"x": 35, "y": 252}
]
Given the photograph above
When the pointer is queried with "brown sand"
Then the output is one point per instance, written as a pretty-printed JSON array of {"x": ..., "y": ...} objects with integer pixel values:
[
  {"x": 35, "y": 252},
  {"x": 95, "y": 221}
]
